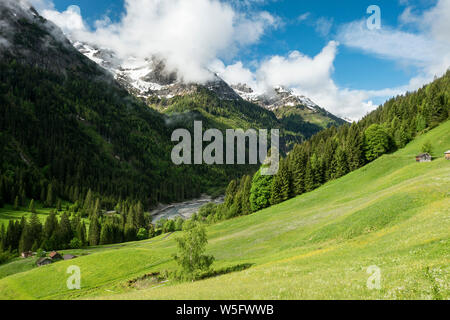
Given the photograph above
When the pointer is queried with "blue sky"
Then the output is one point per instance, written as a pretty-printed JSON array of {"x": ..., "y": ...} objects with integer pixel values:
[{"x": 359, "y": 64}]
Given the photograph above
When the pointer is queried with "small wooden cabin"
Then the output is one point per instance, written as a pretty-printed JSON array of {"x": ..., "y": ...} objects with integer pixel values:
[
  {"x": 43, "y": 262},
  {"x": 447, "y": 155},
  {"x": 27, "y": 254},
  {"x": 55, "y": 256},
  {"x": 424, "y": 157}
]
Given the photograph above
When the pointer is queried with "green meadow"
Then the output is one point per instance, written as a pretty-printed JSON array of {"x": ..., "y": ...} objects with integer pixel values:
[
  {"x": 8, "y": 213},
  {"x": 393, "y": 214}
]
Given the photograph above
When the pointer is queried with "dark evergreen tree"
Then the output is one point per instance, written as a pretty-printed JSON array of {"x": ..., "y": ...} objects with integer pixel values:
[{"x": 94, "y": 231}]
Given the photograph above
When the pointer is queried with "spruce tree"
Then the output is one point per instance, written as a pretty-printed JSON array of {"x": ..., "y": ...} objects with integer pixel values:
[
  {"x": 35, "y": 227},
  {"x": 31, "y": 207},
  {"x": 94, "y": 231},
  {"x": 246, "y": 206},
  {"x": 275, "y": 193},
  {"x": 26, "y": 239},
  {"x": 96, "y": 208},
  {"x": 140, "y": 218},
  {"x": 130, "y": 228},
  {"x": 87, "y": 205},
  {"x": 50, "y": 200},
  {"x": 106, "y": 234},
  {"x": 65, "y": 232},
  {"x": 50, "y": 226},
  {"x": 81, "y": 233},
  {"x": 16, "y": 203}
]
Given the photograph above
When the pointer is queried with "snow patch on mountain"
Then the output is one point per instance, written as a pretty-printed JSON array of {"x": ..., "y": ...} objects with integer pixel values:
[
  {"x": 276, "y": 98},
  {"x": 148, "y": 78}
]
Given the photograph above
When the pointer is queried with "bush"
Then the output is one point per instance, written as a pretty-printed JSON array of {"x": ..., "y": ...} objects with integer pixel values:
[
  {"x": 40, "y": 253},
  {"x": 142, "y": 234},
  {"x": 76, "y": 243},
  {"x": 5, "y": 257},
  {"x": 427, "y": 147}
]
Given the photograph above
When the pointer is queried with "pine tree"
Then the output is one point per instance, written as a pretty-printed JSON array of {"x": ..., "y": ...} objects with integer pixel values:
[
  {"x": 81, "y": 233},
  {"x": 26, "y": 242},
  {"x": 140, "y": 218},
  {"x": 246, "y": 206},
  {"x": 50, "y": 200},
  {"x": 65, "y": 232},
  {"x": 2, "y": 237},
  {"x": 94, "y": 231},
  {"x": 58, "y": 205},
  {"x": 130, "y": 229},
  {"x": 106, "y": 234},
  {"x": 96, "y": 208},
  {"x": 340, "y": 167},
  {"x": 230, "y": 193},
  {"x": 355, "y": 148},
  {"x": 309, "y": 178},
  {"x": 31, "y": 207},
  {"x": 275, "y": 193},
  {"x": 16, "y": 203},
  {"x": 87, "y": 205},
  {"x": 51, "y": 225},
  {"x": 298, "y": 164},
  {"x": 35, "y": 229},
  {"x": 285, "y": 179}
]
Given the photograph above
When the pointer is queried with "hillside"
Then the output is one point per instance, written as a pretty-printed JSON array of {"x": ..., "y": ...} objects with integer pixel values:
[
  {"x": 67, "y": 125},
  {"x": 392, "y": 213}
]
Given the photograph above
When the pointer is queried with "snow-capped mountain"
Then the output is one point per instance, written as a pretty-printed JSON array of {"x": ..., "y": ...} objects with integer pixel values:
[
  {"x": 276, "y": 98},
  {"x": 147, "y": 78}
]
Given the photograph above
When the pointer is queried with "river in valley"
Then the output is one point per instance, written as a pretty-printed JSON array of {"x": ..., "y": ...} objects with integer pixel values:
[{"x": 184, "y": 210}]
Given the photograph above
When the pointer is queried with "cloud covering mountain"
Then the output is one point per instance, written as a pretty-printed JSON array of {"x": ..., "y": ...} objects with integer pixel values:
[{"x": 195, "y": 37}]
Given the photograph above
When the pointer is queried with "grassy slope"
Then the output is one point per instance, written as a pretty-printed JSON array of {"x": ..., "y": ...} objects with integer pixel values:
[
  {"x": 393, "y": 213},
  {"x": 8, "y": 213}
]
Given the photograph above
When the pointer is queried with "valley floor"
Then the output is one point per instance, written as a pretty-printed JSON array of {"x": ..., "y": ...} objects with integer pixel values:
[{"x": 392, "y": 215}]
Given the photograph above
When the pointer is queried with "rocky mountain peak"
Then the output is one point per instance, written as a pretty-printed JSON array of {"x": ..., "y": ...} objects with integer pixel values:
[
  {"x": 147, "y": 78},
  {"x": 275, "y": 98}
]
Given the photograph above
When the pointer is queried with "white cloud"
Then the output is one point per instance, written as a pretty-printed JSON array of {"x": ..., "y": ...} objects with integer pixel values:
[
  {"x": 235, "y": 73},
  {"x": 310, "y": 76},
  {"x": 189, "y": 35},
  {"x": 323, "y": 26},
  {"x": 428, "y": 48},
  {"x": 303, "y": 16},
  {"x": 69, "y": 21},
  {"x": 197, "y": 35}
]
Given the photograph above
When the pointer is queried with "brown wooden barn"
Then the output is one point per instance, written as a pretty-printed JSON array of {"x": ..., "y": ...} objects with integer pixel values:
[
  {"x": 26, "y": 254},
  {"x": 55, "y": 256},
  {"x": 447, "y": 155},
  {"x": 424, "y": 157}
]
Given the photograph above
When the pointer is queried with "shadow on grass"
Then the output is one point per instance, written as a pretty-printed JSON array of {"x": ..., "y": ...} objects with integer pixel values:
[{"x": 223, "y": 271}]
